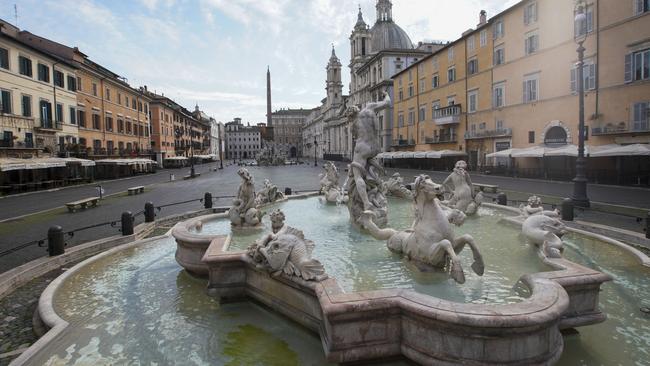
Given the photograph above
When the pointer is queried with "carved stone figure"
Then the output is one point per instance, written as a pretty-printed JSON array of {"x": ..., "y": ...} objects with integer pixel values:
[
  {"x": 431, "y": 239},
  {"x": 268, "y": 194},
  {"x": 461, "y": 192},
  {"x": 395, "y": 187},
  {"x": 534, "y": 207},
  {"x": 546, "y": 232},
  {"x": 366, "y": 190},
  {"x": 244, "y": 211},
  {"x": 286, "y": 251},
  {"x": 329, "y": 185}
]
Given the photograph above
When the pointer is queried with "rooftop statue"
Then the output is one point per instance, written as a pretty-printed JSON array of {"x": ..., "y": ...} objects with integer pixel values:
[
  {"x": 395, "y": 187},
  {"x": 461, "y": 192},
  {"x": 268, "y": 194},
  {"x": 244, "y": 210},
  {"x": 365, "y": 188},
  {"x": 329, "y": 185},
  {"x": 286, "y": 250},
  {"x": 534, "y": 207},
  {"x": 431, "y": 239},
  {"x": 545, "y": 232}
]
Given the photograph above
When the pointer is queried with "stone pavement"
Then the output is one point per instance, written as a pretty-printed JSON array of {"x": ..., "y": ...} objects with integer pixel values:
[{"x": 18, "y": 229}]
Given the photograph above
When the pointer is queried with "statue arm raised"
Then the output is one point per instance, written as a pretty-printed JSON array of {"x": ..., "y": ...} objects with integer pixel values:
[{"x": 380, "y": 105}]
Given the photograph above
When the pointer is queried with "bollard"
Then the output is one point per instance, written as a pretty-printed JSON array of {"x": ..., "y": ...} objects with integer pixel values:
[
  {"x": 502, "y": 199},
  {"x": 287, "y": 191},
  {"x": 127, "y": 223},
  {"x": 55, "y": 241},
  {"x": 149, "y": 213},
  {"x": 647, "y": 226},
  {"x": 567, "y": 209},
  {"x": 207, "y": 200},
  {"x": 172, "y": 177}
]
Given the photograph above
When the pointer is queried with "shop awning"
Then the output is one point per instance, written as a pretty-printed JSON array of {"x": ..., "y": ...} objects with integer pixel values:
[
  {"x": 621, "y": 150},
  {"x": 420, "y": 154},
  {"x": 176, "y": 158},
  {"x": 531, "y": 152},
  {"x": 125, "y": 161},
  {"x": 501, "y": 154},
  {"x": 8, "y": 164}
]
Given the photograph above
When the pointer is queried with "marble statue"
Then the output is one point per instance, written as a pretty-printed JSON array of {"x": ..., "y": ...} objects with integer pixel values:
[
  {"x": 286, "y": 250},
  {"x": 461, "y": 192},
  {"x": 329, "y": 185},
  {"x": 545, "y": 232},
  {"x": 395, "y": 187},
  {"x": 431, "y": 239},
  {"x": 268, "y": 194},
  {"x": 365, "y": 188},
  {"x": 534, "y": 207},
  {"x": 244, "y": 210}
]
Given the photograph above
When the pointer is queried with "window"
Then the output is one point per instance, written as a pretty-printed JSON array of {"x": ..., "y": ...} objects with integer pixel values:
[
  {"x": 451, "y": 74},
  {"x": 531, "y": 89},
  {"x": 120, "y": 126},
  {"x": 582, "y": 29},
  {"x": 133, "y": 103},
  {"x": 588, "y": 76},
  {"x": 472, "y": 66},
  {"x": 410, "y": 90},
  {"x": 128, "y": 128},
  {"x": 472, "y": 98},
  {"x": 499, "y": 125},
  {"x": 81, "y": 118},
  {"x": 411, "y": 117},
  {"x": 435, "y": 81},
  {"x": 451, "y": 100},
  {"x": 499, "y": 95},
  {"x": 45, "y": 111},
  {"x": 637, "y": 66},
  {"x": 59, "y": 112},
  {"x": 26, "y": 102},
  {"x": 108, "y": 94},
  {"x": 498, "y": 29},
  {"x": 640, "y": 116},
  {"x": 641, "y": 6},
  {"x": 481, "y": 126},
  {"x": 43, "y": 73},
  {"x": 422, "y": 113},
  {"x": 109, "y": 123},
  {"x": 96, "y": 122},
  {"x": 530, "y": 13},
  {"x": 4, "y": 58},
  {"x": 73, "y": 115},
  {"x": 24, "y": 66},
  {"x": 532, "y": 43},
  {"x": 119, "y": 98},
  {"x": 58, "y": 79},
  {"x": 411, "y": 75},
  {"x": 94, "y": 89},
  {"x": 434, "y": 62},
  {"x": 422, "y": 85},
  {"x": 450, "y": 54},
  {"x": 5, "y": 102},
  {"x": 531, "y": 137},
  {"x": 470, "y": 43},
  {"x": 434, "y": 106},
  {"x": 483, "y": 37},
  {"x": 499, "y": 56},
  {"x": 78, "y": 86},
  {"x": 72, "y": 83}
]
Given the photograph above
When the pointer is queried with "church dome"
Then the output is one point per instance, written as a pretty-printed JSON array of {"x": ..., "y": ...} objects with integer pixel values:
[{"x": 388, "y": 35}]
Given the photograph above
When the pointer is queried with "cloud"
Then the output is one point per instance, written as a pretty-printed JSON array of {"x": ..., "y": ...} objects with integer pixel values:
[{"x": 150, "y": 4}]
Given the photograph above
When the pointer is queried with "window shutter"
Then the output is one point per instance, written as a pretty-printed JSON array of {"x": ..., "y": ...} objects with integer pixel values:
[
  {"x": 527, "y": 45},
  {"x": 526, "y": 96},
  {"x": 535, "y": 42},
  {"x": 592, "y": 76},
  {"x": 573, "y": 80},
  {"x": 628, "y": 68},
  {"x": 534, "y": 12},
  {"x": 638, "y": 8},
  {"x": 526, "y": 15}
]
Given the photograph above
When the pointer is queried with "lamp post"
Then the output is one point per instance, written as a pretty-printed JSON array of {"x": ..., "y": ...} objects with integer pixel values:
[
  {"x": 315, "y": 153},
  {"x": 580, "y": 181}
]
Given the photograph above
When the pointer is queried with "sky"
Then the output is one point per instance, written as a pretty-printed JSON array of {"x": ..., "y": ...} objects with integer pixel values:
[{"x": 216, "y": 52}]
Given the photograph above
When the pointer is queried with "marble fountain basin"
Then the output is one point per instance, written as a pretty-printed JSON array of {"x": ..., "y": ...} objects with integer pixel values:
[{"x": 377, "y": 305}]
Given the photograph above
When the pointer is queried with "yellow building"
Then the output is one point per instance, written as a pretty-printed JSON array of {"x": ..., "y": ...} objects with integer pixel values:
[{"x": 513, "y": 85}]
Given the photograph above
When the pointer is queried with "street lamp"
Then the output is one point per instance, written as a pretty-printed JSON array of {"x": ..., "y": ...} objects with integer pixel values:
[
  {"x": 315, "y": 153},
  {"x": 580, "y": 181}
]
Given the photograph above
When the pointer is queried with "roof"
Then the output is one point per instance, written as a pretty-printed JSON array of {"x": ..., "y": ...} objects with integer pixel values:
[
  {"x": 388, "y": 35},
  {"x": 37, "y": 50},
  {"x": 290, "y": 111}
]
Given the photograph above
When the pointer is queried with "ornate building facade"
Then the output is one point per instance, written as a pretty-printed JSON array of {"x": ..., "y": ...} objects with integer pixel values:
[{"x": 287, "y": 131}]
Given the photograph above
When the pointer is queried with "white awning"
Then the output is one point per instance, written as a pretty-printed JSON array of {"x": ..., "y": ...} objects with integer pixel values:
[
  {"x": 621, "y": 150},
  {"x": 446, "y": 153},
  {"x": 125, "y": 161},
  {"x": 176, "y": 158},
  {"x": 420, "y": 154},
  {"x": 384, "y": 155},
  {"x": 501, "y": 154},
  {"x": 529, "y": 152},
  {"x": 7, "y": 164},
  {"x": 566, "y": 150},
  {"x": 403, "y": 155}
]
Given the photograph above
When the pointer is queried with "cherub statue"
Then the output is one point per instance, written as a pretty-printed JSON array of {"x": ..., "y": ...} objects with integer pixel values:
[
  {"x": 395, "y": 187},
  {"x": 459, "y": 185},
  {"x": 329, "y": 184},
  {"x": 268, "y": 194},
  {"x": 244, "y": 211},
  {"x": 366, "y": 190},
  {"x": 534, "y": 207},
  {"x": 286, "y": 251}
]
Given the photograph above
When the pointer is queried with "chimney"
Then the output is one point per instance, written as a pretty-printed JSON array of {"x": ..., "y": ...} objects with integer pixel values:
[{"x": 482, "y": 19}]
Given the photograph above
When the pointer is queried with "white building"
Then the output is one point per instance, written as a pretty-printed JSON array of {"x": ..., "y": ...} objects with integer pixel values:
[
  {"x": 312, "y": 131},
  {"x": 242, "y": 142}
]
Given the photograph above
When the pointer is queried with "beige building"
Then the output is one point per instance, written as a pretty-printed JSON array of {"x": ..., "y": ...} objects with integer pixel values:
[
  {"x": 511, "y": 83},
  {"x": 287, "y": 131},
  {"x": 39, "y": 101}
]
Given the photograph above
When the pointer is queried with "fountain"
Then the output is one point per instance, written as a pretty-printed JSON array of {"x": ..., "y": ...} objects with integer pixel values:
[
  {"x": 395, "y": 187},
  {"x": 329, "y": 185},
  {"x": 458, "y": 187}
]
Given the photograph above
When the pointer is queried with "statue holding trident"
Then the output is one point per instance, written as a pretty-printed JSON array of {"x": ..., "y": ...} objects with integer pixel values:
[{"x": 365, "y": 188}]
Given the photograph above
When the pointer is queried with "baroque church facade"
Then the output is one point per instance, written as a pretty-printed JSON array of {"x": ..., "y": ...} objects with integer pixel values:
[{"x": 376, "y": 54}]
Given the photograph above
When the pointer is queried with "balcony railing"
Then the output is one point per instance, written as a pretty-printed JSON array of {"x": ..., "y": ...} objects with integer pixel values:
[
  {"x": 622, "y": 128},
  {"x": 401, "y": 142},
  {"x": 49, "y": 125},
  {"x": 442, "y": 138},
  {"x": 447, "y": 115},
  {"x": 500, "y": 132}
]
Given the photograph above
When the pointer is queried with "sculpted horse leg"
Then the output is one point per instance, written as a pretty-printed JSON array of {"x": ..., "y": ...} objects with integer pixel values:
[
  {"x": 459, "y": 243},
  {"x": 437, "y": 252}
]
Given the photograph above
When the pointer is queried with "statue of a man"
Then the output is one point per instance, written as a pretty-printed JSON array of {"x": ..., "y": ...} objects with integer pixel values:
[
  {"x": 244, "y": 209},
  {"x": 459, "y": 184}
]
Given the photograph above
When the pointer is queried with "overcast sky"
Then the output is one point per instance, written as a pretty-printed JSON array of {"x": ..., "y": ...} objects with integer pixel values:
[{"x": 215, "y": 52}]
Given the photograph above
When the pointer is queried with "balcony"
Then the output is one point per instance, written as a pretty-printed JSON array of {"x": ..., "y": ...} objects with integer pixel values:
[
  {"x": 500, "y": 132},
  {"x": 49, "y": 126},
  {"x": 442, "y": 139},
  {"x": 401, "y": 142},
  {"x": 622, "y": 128},
  {"x": 447, "y": 115}
]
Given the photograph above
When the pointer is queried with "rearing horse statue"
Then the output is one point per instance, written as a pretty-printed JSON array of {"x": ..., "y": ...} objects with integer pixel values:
[{"x": 431, "y": 238}]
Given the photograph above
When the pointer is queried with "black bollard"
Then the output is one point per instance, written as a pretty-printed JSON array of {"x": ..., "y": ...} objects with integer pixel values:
[
  {"x": 287, "y": 191},
  {"x": 567, "y": 209},
  {"x": 55, "y": 241},
  {"x": 502, "y": 199},
  {"x": 149, "y": 213},
  {"x": 647, "y": 226},
  {"x": 207, "y": 200},
  {"x": 127, "y": 223}
]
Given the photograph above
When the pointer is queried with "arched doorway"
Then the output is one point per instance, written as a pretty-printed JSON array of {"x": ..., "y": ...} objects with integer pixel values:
[
  {"x": 293, "y": 152},
  {"x": 556, "y": 135}
]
